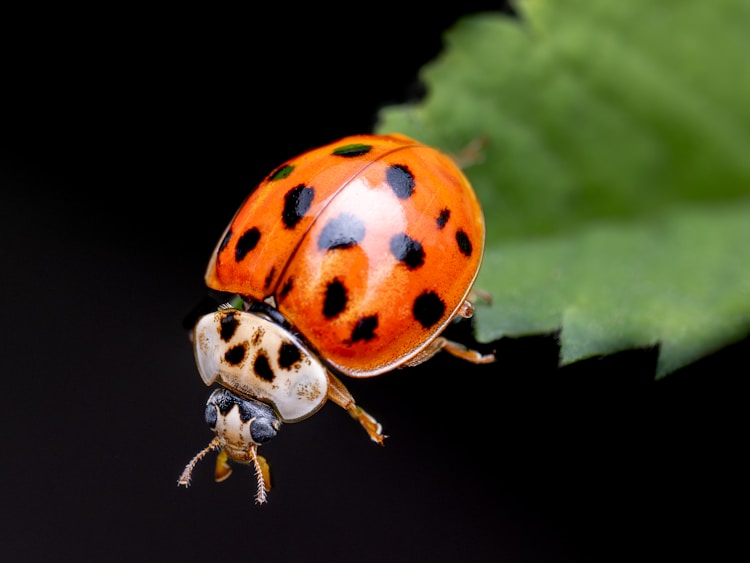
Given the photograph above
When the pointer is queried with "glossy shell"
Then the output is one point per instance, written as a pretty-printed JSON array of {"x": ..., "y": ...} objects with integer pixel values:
[
  {"x": 369, "y": 247},
  {"x": 258, "y": 359}
]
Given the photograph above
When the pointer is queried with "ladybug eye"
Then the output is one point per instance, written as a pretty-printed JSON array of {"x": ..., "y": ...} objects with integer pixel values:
[
  {"x": 262, "y": 430},
  {"x": 212, "y": 415}
]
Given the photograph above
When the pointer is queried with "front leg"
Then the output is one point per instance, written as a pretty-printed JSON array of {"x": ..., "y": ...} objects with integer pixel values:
[{"x": 340, "y": 395}]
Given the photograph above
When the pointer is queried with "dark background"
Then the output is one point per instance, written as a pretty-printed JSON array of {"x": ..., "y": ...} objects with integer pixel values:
[{"x": 129, "y": 137}]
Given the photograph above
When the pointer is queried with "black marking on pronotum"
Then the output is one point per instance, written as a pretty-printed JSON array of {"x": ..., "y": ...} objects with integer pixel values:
[
  {"x": 365, "y": 328},
  {"x": 343, "y": 231},
  {"x": 257, "y": 336},
  {"x": 228, "y": 326},
  {"x": 297, "y": 202},
  {"x": 428, "y": 308},
  {"x": 281, "y": 172},
  {"x": 236, "y": 354},
  {"x": 350, "y": 151},
  {"x": 442, "y": 219},
  {"x": 401, "y": 180},
  {"x": 225, "y": 241},
  {"x": 335, "y": 299},
  {"x": 289, "y": 355},
  {"x": 407, "y": 250},
  {"x": 464, "y": 244},
  {"x": 246, "y": 243},
  {"x": 262, "y": 367}
]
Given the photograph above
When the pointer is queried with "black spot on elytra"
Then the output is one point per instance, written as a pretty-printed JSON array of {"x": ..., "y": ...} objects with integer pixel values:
[
  {"x": 287, "y": 287},
  {"x": 343, "y": 231},
  {"x": 464, "y": 244},
  {"x": 335, "y": 299},
  {"x": 289, "y": 355},
  {"x": 228, "y": 326},
  {"x": 281, "y": 172},
  {"x": 225, "y": 241},
  {"x": 247, "y": 242},
  {"x": 401, "y": 180},
  {"x": 236, "y": 354},
  {"x": 428, "y": 308},
  {"x": 269, "y": 278},
  {"x": 442, "y": 219},
  {"x": 355, "y": 149},
  {"x": 297, "y": 202},
  {"x": 407, "y": 251},
  {"x": 262, "y": 367},
  {"x": 365, "y": 328}
]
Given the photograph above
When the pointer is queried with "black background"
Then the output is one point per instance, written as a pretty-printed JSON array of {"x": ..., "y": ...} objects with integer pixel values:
[{"x": 129, "y": 137}]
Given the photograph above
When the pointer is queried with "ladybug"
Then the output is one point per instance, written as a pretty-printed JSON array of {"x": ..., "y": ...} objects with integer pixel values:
[{"x": 350, "y": 259}]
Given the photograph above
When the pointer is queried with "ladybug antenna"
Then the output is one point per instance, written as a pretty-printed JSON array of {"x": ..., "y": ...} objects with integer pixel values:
[
  {"x": 261, "y": 469},
  {"x": 184, "y": 479}
]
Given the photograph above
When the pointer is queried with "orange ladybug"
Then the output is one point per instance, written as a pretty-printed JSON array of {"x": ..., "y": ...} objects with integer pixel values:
[{"x": 358, "y": 254}]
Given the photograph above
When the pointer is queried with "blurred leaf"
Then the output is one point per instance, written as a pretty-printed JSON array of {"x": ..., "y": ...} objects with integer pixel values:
[{"x": 613, "y": 174}]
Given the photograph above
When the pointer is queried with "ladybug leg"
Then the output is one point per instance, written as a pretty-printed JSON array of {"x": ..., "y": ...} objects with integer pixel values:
[
  {"x": 481, "y": 295},
  {"x": 466, "y": 310},
  {"x": 222, "y": 470},
  {"x": 472, "y": 153},
  {"x": 340, "y": 395},
  {"x": 461, "y": 351},
  {"x": 454, "y": 348}
]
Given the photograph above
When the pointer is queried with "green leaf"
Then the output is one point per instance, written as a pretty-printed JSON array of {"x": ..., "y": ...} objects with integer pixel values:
[{"x": 613, "y": 171}]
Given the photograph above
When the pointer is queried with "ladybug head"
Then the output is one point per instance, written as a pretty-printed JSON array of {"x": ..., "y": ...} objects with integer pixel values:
[{"x": 240, "y": 425}]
